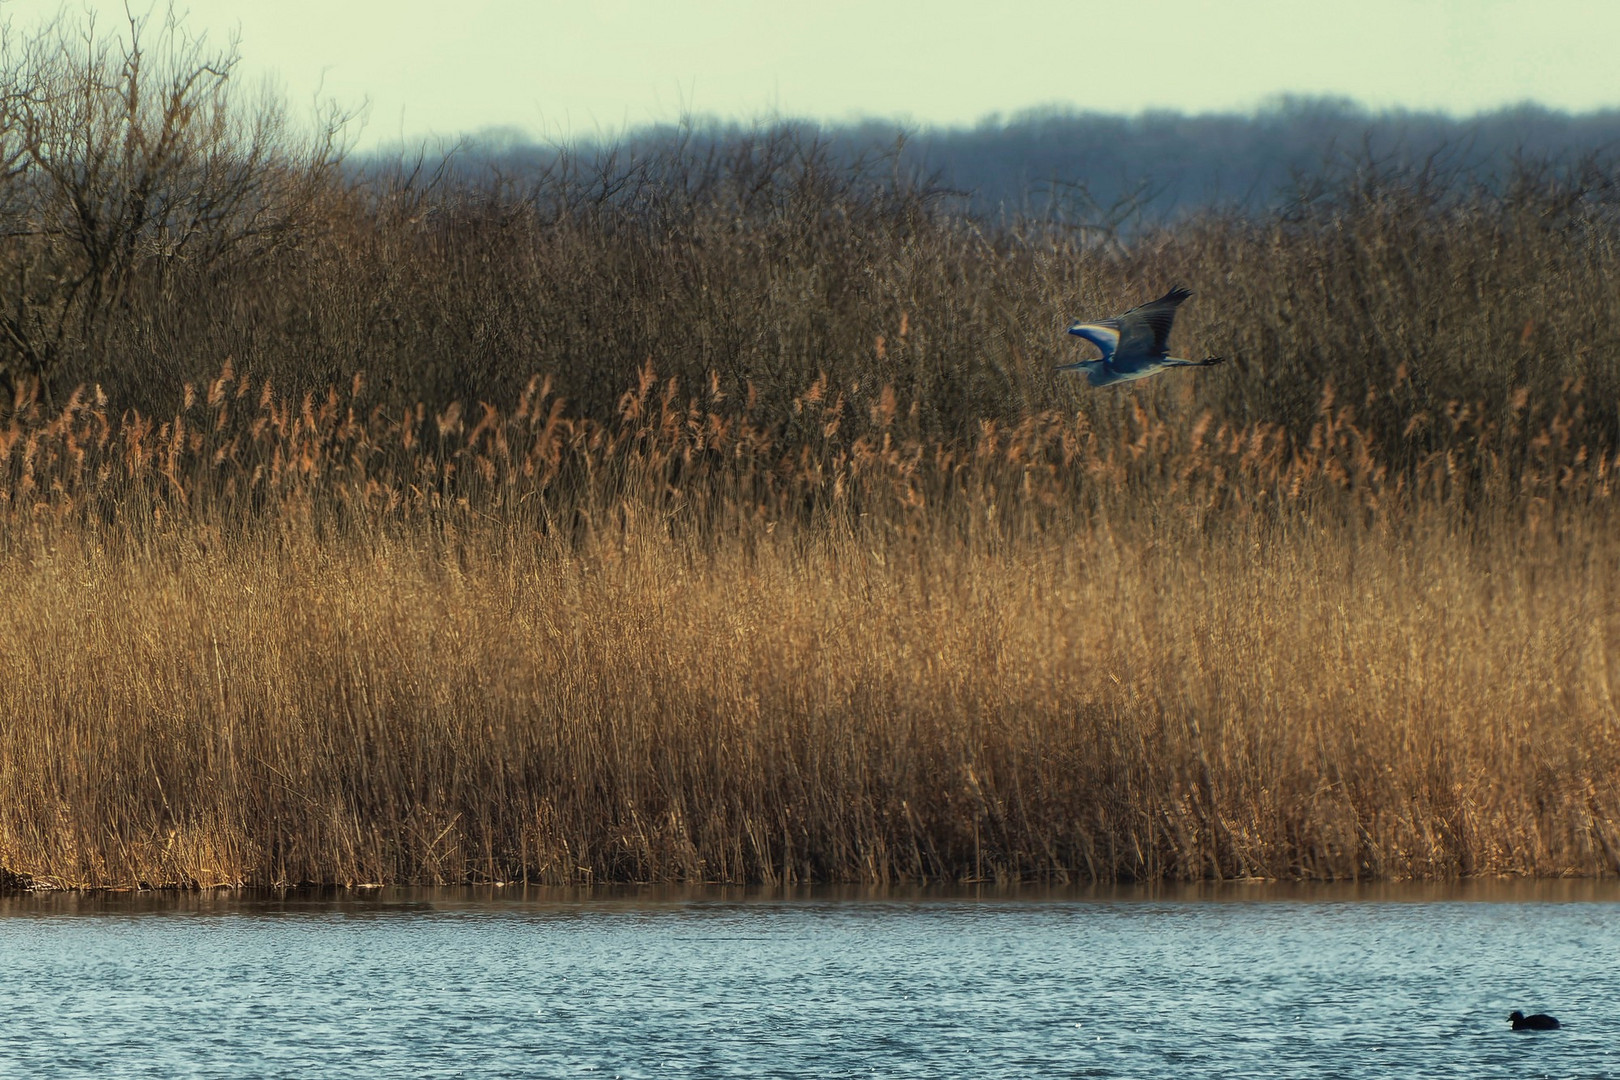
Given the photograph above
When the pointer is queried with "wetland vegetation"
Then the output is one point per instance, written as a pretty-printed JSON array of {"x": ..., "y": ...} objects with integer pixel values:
[{"x": 711, "y": 513}]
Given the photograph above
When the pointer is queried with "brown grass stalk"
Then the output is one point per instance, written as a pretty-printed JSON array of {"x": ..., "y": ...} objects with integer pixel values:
[
  {"x": 277, "y": 640},
  {"x": 800, "y": 564}
]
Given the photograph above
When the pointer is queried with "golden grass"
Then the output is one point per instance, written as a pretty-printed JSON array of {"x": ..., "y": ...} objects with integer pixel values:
[
  {"x": 291, "y": 643},
  {"x": 862, "y": 593}
]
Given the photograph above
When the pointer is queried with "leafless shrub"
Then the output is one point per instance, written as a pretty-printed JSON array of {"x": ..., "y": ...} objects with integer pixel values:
[{"x": 132, "y": 170}]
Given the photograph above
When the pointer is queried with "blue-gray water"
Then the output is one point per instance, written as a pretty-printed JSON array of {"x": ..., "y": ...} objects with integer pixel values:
[{"x": 1300, "y": 982}]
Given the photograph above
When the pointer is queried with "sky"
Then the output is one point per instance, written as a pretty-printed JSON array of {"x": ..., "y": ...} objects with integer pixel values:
[{"x": 559, "y": 70}]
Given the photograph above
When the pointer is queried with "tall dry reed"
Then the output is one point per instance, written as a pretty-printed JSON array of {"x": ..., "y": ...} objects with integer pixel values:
[
  {"x": 271, "y": 640},
  {"x": 799, "y": 564}
]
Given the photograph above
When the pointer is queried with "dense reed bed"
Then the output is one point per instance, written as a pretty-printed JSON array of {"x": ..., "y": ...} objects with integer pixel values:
[
  {"x": 275, "y": 640},
  {"x": 795, "y": 563}
]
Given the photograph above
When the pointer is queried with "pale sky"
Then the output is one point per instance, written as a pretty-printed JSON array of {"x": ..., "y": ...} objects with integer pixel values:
[{"x": 555, "y": 69}]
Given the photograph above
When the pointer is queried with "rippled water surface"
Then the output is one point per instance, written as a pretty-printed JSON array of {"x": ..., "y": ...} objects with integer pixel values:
[{"x": 1275, "y": 982}]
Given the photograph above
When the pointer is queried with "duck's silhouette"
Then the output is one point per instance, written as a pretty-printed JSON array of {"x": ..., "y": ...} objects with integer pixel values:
[{"x": 1533, "y": 1022}]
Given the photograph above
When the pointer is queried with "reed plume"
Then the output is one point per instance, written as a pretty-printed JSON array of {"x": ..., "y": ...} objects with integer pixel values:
[{"x": 270, "y": 640}]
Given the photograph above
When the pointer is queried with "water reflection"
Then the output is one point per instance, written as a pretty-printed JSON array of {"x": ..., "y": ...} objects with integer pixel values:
[{"x": 410, "y": 900}]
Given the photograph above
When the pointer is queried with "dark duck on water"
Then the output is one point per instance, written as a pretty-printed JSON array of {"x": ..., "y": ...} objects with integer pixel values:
[{"x": 1533, "y": 1022}]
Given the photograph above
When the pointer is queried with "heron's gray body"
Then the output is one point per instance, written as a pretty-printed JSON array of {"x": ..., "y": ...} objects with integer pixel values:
[{"x": 1133, "y": 345}]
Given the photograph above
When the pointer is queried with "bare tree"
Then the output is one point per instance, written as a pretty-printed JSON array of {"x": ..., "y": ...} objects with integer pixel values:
[{"x": 126, "y": 159}]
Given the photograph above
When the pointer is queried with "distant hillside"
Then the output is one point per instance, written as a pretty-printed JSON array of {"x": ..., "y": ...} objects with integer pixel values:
[
  {"x": 1157, "y": 164},
  {"x": 1181, "y": 162}
]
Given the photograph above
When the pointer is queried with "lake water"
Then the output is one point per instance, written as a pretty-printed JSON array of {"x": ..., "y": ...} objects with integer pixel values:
[{"x": 1242, "y": 981}]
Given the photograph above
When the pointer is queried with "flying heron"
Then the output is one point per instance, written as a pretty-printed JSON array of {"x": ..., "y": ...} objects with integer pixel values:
[{"x": 1134, "y": 345}]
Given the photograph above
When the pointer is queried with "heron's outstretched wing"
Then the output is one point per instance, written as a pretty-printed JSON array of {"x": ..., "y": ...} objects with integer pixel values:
[
  {"x": 1144, "y": 331},
  {"x": 1104, "y": 335}
]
